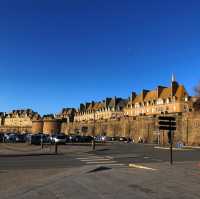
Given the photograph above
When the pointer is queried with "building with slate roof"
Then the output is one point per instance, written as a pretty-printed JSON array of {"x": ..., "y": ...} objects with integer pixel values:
[
  {"x": 110, "y": 108},
  {"x": 21, "y": 118},
  {"x": 162, "y": 100}
]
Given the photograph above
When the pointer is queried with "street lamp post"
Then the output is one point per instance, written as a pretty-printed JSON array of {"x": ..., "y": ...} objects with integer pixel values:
[
  {"x": 187, "y": 137},
  {"x": 93, "y": 140}
]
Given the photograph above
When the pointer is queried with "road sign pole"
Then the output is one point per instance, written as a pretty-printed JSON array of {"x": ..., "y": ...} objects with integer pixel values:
[
  {"x": 171, "y": 145},
  {"x": 168, "y": 123},
  {"x": 171, "y": 157}
]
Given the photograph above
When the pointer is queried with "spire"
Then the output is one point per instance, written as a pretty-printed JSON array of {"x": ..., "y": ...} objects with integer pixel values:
[{"x": 173, "y": 77}]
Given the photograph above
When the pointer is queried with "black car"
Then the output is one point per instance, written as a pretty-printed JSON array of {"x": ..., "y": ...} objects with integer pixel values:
[
  {"x": 39, "y": 139},
  {"x": 1, "y": 137}
]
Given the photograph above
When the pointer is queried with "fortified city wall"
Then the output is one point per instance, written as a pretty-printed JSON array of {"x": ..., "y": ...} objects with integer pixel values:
[{"x": 188, "y": 128}]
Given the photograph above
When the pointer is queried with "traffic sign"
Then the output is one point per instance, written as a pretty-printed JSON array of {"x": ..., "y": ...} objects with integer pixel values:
[
  {"x": 167, "y": 118},
  {"x": 167, "y": 123},
  {"x": 172, "y": 128}
]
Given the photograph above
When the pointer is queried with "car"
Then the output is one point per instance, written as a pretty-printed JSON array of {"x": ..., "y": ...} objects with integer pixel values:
[
  {"x": 87, "y": 138},
  {"x": 11, "y": 138},
  {"x": 74, "y": 138},
  {"x": 39, "y": 139},
  {"x": 58, "y": 139},
  {"x": 100, "y": 138},
  {"x": 1, "y": 137},
  {"x": 122, "y": 139}
]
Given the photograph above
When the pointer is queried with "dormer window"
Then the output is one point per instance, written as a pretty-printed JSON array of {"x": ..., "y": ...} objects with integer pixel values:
[
  {"x": 159, "y": 101},
  {"x": 137, "y": 105}
]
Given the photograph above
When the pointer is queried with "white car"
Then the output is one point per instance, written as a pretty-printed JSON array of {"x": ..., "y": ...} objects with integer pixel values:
[{"x": 58, "y": 139}]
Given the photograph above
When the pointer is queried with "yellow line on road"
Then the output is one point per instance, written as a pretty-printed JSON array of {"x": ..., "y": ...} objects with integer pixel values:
[{"x": 141, "y": 167}]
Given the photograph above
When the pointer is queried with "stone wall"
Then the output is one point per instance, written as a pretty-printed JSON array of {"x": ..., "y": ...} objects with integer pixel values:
[
  {"x": 15, "y": 129},
  {"x": 188, "y": 128}
]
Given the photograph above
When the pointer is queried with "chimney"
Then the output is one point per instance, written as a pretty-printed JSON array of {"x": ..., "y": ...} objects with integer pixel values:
[
  {"x": 87, "y": 104},
  {"x": 115, "y": 101},
  {"x": 159, "y": 90},
  {"x": 144, "y": 92},
  {"x": 82, "y": 107},
  {"x": 133, "y": 96}
]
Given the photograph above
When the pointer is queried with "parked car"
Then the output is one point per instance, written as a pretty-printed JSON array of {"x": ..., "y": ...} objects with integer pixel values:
[
  {"x": 1, "y": 137},
  {"x": 39, "y": 139},
  {"x": 74, "y": 138},
  {"x": 122, "y": 139},
  {"x": 87, "y": 138},
  {"x": 100, "y": 138},
  {"x": 11, "y": 137},
  {"x": 79, "y": 138},
  {"x": 58, "y": 138}
]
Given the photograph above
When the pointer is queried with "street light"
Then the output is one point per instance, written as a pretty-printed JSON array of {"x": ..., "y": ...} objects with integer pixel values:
[{"x": 93, "y": 140}]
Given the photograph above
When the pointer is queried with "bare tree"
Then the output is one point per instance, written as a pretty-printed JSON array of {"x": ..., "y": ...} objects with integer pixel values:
[
  {"x": 196, "y": 104},
  {"x": 197, "y": 89}
]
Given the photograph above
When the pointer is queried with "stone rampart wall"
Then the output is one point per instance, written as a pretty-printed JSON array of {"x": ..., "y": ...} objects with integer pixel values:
[{"x": 188, "y": 129}]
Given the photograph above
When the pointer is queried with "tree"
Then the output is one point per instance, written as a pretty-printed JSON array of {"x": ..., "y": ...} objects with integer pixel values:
[{"x": 196, "y": 104}]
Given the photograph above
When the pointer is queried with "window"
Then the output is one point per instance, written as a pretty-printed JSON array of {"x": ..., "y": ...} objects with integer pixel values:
[{"x": 159, "y": 101}]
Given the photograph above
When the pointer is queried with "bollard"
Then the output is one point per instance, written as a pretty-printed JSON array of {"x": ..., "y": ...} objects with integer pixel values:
[
  {"x": 42, "y": 145},
  {"x": 56, "y": 148},
  {"x": 93, "y": 144}
]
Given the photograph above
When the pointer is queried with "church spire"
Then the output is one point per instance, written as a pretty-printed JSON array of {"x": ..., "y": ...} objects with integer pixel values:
[{"x": 173, "y": 77}]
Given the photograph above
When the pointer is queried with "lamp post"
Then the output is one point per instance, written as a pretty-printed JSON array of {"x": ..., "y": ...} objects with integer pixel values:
[{"x": 93, "y": 140}]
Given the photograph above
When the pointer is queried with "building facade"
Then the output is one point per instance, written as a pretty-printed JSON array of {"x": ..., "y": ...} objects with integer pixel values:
[
  {"x": 110, "y": 108},
  {"x": 19, "y": 118},
  {"x": 162, "y": 100}
]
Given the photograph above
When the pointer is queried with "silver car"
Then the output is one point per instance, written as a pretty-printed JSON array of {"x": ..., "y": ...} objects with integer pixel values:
[{"x": 58, "y": 139}]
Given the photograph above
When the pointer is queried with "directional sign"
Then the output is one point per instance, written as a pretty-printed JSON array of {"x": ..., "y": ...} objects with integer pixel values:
[
  {"x": 167, "y": 118},
  {"x": 173, "y": 128},
  {"x": 167, "y": 123}
]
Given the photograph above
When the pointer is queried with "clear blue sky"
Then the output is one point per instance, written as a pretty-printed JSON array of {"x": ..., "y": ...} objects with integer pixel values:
[{"x": 59, "y": 53}]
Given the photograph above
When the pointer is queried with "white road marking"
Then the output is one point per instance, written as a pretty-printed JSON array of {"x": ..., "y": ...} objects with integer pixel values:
[
  {"x": 141, "y": 167},
  {"x": 117, "y": 164},
  {"x": 107, "y": 162},
  {"x": 147, "y": 157},
  {"x": 175, "y": 149},
  {"x": 92, "y": 160},
  {"x": 88, "y": 158}
]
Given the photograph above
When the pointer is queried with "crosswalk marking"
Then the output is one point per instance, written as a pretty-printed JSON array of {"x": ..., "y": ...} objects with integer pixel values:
[
  {"x": 105, "y": 162},
  {"x": 95, "y": 157},
  {"x": 92, "y": 160},
  {"x": 99, "y": 160},
  {"x": 116, "y": 164}
]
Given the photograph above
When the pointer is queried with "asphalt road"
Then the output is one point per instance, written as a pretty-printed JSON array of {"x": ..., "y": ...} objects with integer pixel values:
[{"x": 113, "y": 155}]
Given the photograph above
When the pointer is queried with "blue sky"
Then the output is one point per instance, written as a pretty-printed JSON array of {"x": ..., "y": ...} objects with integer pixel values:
[{"x": 56, "y": 54}]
